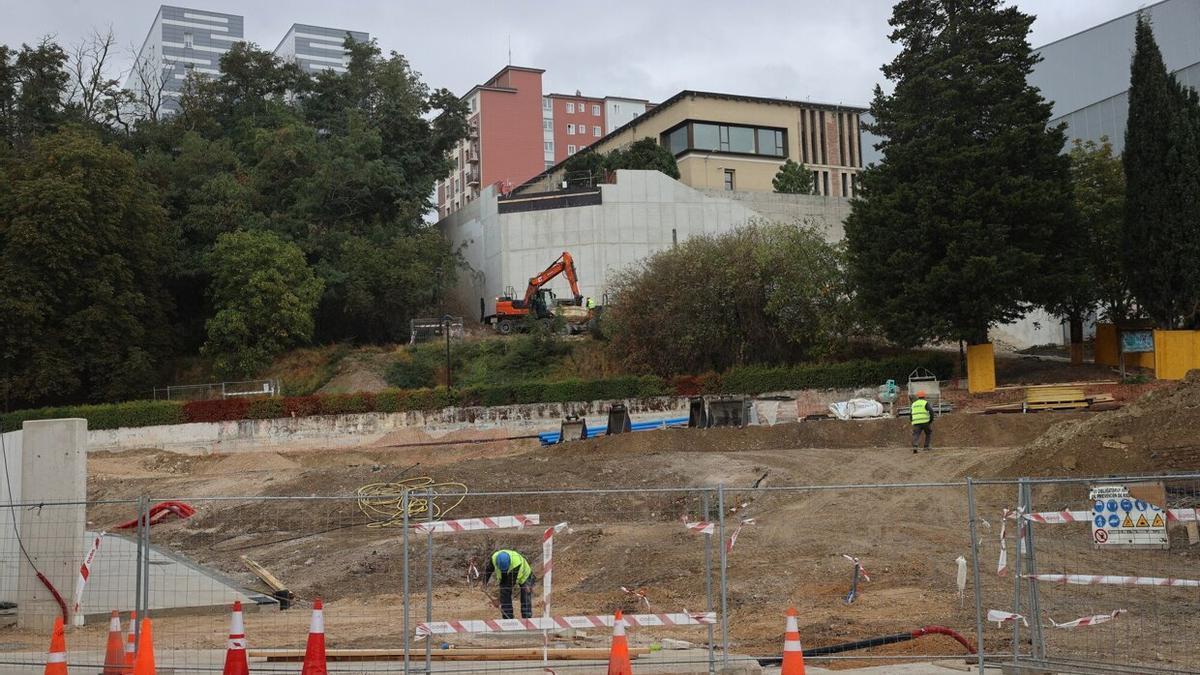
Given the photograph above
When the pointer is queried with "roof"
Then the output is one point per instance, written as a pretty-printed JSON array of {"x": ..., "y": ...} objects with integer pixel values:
[
  {"x": 491, "y": 87},
  {"x": 691, "y": 93}
]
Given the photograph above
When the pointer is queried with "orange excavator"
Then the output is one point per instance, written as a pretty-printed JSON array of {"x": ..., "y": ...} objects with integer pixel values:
[{"x": 538, "y": 301}]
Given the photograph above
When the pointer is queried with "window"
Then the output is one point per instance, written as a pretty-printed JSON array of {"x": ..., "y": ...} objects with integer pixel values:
[
  {"x": 582, "y": 107},
  {"x": 188, "y": 40},
  {"x": 548, "y": 146},
  {"x": 595, "y": 111},
  {"x": 570, "y": 107},
  {"x": 728, "y": 179},
  {"x": 596, "y": 131},
  {"x": 825, "y": 179},
  {"x": 570, "y": 149},
  {"x": 570, "y": 129},
  {"x": 816, "y": 182},
  {"x": 546, "y": 104},
  {"x": 710, "y": 137},
  {"x": 616, "y": 108},
  {"x": 549, "y": 165},
  {"x": 845, "y": 185},
  {"x": 548, "y": 125}
]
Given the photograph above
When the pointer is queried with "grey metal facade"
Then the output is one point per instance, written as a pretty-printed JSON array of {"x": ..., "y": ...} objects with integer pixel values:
[
  {"x": 182, "y": 41},
  {"x": 1086, "y": 75},
  {"x": 317, "y": 48}
]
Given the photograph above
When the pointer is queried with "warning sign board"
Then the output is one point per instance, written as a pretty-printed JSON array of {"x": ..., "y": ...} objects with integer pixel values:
[{"x": 1122, "y": 520}]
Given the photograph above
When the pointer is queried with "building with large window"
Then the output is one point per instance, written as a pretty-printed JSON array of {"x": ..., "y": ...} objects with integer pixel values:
[
  {"x": 737, "y": 143},
  {"x": 316, "y": 48},
  {"x": 181, "y": 41},
  {"x": 1086, "y": 75}
]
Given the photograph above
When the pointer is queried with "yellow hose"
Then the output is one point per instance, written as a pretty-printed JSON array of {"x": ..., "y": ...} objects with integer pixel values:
[{"x": 383, "y": 503}]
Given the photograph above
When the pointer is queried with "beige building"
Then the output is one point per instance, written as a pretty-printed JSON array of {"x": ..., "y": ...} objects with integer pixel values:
[{"x": 738, "y": 143}]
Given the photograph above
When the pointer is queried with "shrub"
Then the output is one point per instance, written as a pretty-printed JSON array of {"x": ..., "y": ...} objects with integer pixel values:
[
  {"x": 860, "y": 373},
  {"x": 220, "y": 410},
  {"x": 103, "y": 416},
  {"x": 342, "y": 404},
  {"x": 301, "y": 406},
  {"x": 266, "y": 408}
]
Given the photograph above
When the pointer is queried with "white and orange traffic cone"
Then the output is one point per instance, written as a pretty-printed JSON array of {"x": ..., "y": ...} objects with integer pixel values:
[
  {"x": 131, "y": 642},
  {"x": 114, "y": 652},
  {"x": 314, "y": 651},
  {"x": 56, "y": 658},
  {"x": 793, "y": 651},
  {"x": 143, "y": 663},
  {"x": 235, "y": 654},
  {"x": 618, "y": 656}
]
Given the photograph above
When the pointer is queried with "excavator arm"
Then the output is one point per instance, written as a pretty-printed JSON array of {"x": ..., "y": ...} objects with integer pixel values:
[{"x": 563, "y": 265}]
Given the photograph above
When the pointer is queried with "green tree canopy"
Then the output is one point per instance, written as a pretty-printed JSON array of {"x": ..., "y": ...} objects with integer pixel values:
[
  {"x": 950, "y": 233},
  {"x": 688, "y": 309},
  {"x": 1160, "y": 237},
  {"x": 794, "y": 178},
  {"x": 264, "y": 295},
  {"x": 84, "y": 246},
  {"x": 1098, "y": 181},
  {"x": 589, "y": 167}
]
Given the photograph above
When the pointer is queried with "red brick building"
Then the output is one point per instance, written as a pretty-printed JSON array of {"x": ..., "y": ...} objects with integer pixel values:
[{"x": 516, "y": 133}]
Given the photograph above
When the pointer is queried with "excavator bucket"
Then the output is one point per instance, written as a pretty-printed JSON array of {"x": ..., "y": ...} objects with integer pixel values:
[
  {"x": 728, "y": 411},
  {"x": 697, "y": 413},
  {"x": 618, "y": 420},
  {"x": 573, "y": 429}
]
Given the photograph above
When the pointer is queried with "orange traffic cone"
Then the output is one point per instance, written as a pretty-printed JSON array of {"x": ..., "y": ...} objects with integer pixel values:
[
  {"x": 56, "y": 659},
  {"x": 618, "y": 657},
  {"x": 793, "y": 652},
  {"x": 314, "y": 652},
  {"x": 235, "y": 655},
  {"x": 143, "y": 664},
  {"x": 131, "y": 642},
  {"x": 114, "y": 653}
]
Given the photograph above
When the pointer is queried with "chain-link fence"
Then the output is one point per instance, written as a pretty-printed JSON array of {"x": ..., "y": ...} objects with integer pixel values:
[{"x": 881, "y": 573}]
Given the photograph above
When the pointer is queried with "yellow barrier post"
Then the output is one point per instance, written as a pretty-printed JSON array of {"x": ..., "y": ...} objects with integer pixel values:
[
  {"x": 981, "y": 368},
  {"x": 1175, "y": 353},
  {"x": 1106, "y": 352}
]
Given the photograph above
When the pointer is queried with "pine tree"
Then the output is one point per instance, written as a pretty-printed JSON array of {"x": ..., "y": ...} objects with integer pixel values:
[
  {"x": 793, "y": 178},
  {"x": 1160, "y": 237},
  {"x": 950, "y": 234}
]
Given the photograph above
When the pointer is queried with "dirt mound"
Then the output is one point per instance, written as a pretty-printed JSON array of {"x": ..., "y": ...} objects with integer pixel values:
[{"x": 1158, "y": 432}]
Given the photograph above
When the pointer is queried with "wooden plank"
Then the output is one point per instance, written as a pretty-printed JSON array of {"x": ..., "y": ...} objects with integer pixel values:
[
  {"x": 1098, "y": 383},
  {"x": 264, "y": 574},
  {"x": 456, "y": 654}
]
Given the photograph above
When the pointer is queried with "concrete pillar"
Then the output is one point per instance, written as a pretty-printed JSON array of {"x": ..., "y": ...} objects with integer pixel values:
[{"x": 53, "y": 469}]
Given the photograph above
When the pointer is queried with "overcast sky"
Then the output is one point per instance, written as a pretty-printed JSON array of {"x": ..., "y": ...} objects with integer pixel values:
[{"x": 802, "y": 49}]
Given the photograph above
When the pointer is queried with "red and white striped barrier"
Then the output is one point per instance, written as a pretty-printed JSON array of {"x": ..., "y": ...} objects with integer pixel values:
[
  {"x": 733, "y": 537},
  {"x": 548, "y": 563},
  {"x": 1002, "y": 563},
  {"x": 561, "y": 622},
  {"x": 469, "y": 524},
  {"x": 861, "y": 570},
  {"x": 1089, "y": 620},
  {"x": 1109, "y": 580},
  {"x": 1063, "y": 517},
  {"x": 85, "y": 571},
  {"x": 700, "y": 527},
  {"x": 640, "y": 594},
  {"x": 999, "y": 617}
]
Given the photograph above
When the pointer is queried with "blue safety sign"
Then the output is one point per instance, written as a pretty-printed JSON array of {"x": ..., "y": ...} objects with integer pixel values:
[
  {"x": 1112, "y": 505},
  {"x": 1099, "y": 521},
  {"x": 1141, "y": 505},
  {"x": 1114, "y": 520},
  {"x": 1098, "y": 507},
  {"x": 1126, "y": 504}
]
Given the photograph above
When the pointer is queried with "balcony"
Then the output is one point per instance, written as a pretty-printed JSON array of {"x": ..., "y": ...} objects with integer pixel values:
[
  {"x": 473, "y": 130},
  {"x": 473, "y": 154},
  {"x": 472, "y": 176}
]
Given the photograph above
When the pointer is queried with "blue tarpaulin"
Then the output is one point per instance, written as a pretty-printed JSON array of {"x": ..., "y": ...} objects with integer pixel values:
[{"x": 551, "y": 437}]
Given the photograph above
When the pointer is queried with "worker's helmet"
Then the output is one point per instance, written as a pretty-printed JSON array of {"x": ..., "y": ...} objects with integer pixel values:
[
  {"x": 920, "y": 394},
  {"x": 503, "y": 561}
]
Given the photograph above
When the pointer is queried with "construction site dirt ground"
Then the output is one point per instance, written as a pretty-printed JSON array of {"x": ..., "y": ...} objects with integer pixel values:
[{"x": 321, "y": 544}]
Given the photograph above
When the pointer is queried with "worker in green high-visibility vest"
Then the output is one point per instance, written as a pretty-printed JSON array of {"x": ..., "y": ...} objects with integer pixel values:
[
  {"x": 922, "y": 421},
  {"x": 512, "y": 571}
]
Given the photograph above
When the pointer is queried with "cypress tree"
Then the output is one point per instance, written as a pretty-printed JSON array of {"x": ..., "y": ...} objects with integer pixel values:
[
  {"x": 950, "y": 234},
  {"x": 1161, "y": 233}
]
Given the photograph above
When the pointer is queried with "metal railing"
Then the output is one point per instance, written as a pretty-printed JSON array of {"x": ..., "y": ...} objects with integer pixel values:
[{"x": 215, "y": 390}]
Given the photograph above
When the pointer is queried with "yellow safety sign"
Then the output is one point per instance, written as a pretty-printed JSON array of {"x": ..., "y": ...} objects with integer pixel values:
[
  {"x": 1158, "y": 520},
  {"x": 1142, "y": 522}
]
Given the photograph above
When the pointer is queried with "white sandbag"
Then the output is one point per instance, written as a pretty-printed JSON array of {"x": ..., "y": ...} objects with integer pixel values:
[{"x": 856, "y": 408}]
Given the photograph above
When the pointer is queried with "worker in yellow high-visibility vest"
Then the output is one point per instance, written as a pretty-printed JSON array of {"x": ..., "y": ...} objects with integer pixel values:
[
  {"x": 922, "y": 421},
  {"x": 512, "y": 571}
]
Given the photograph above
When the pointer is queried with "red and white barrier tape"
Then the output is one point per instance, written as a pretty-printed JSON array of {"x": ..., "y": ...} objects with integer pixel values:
[
  {"x": 85, "y": 571},
  {"x": 1063, "y": 517},
  {"x": 1089, "y": 620},
  {"x": 999, "y": 617},
  {"x": 1108, "y": 580},
  {"x": 472, "y": 572},
  {"x": 639, "y": 594},
  {"x": 861, "y": 570},
  {"x": 700, "y": 527},
  {"x": 468, "y": 524},
  {"x": 559, "y": 622},
  {"x": 738, "y": 530}
]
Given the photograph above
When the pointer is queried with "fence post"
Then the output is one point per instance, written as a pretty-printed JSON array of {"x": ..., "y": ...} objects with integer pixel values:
[
  {"x": 705, "y": 515},
  {"x": 404, "y": 577},
  {"x": 1018, "y": 569},
  {"x": 429, "y": 580},
  {"x": 1037, "y": 638},
  {"x": 724, "y": 577},
  {"x": 972, "y": 517},
  {"x": 139, "y": 579}
]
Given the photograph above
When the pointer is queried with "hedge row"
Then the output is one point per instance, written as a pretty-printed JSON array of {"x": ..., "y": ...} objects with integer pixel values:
[{"x": 741, "y": 380}]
